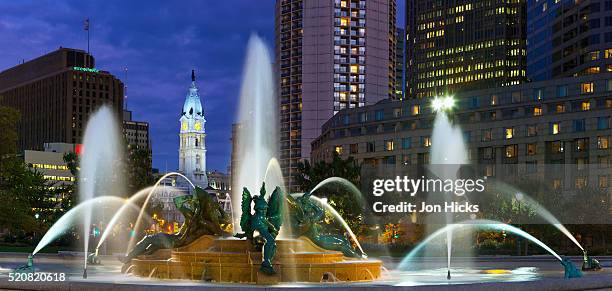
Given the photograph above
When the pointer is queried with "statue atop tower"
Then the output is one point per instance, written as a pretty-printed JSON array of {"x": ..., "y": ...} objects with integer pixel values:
[{"x": 192, "y": 149}]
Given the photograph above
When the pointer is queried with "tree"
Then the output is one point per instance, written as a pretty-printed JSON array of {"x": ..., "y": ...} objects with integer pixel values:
[
  {"x": 338, "y": 196},
  {"x": 8, "y": 127},
  {"x": 67, "y": 192},
  {"x": 23, "y": 193},
  {"x": 139, "y": 171}
]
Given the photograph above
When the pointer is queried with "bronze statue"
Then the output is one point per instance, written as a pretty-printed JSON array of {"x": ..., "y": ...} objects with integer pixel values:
[
  {"x": 266, "y": 220},
  {"x": 203, "y": 216},
  {"x": 308, "y": 219}
]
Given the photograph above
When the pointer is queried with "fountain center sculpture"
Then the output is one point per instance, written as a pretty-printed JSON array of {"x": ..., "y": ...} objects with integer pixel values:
[{"x": 267, "y": 220}]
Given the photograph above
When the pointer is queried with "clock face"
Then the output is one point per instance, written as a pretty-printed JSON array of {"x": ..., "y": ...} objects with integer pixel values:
[
  {"x": 198, "y": 126},
  {"x": 184, "y": 126}
]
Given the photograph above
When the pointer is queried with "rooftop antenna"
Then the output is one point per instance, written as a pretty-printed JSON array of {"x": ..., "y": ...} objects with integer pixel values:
[
  {"x": 125, "y": 88},
  {"x": 86, "y": 27}
]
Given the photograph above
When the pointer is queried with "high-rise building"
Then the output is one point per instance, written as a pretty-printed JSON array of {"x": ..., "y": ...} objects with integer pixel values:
[
  {"x": 528, "y": 130},
  {"x": 192, "y": 149},
  {"x": 400, "y": 84},
  {"x": 568, "y": 38},
  {"x": 464, "y": 45},
  {"x": 136, "y": 132},
  {"x": 330, "y": 55},
  {"x": 55, "y": 94}
]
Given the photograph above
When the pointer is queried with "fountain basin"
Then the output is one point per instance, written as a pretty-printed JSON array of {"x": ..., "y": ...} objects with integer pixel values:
[{"x": 235, "y": 261}]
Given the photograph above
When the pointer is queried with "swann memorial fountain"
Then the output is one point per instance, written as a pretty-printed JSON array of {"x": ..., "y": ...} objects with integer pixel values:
[
  {"x": 204, "y": 250},
  {"x": 273, "y": 236}
]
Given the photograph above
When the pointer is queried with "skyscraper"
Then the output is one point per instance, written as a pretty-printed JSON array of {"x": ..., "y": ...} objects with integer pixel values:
[
  {"x": 568, "y": 38},
  {"x": 400, "y": 49},
  {"x": 330, "y": 55},
  {"x": 192, "y": 149},
  {"x": 462, "y": 45},
  {"x": 136, "y": 132},
  {"x": 55, "y": 94}
]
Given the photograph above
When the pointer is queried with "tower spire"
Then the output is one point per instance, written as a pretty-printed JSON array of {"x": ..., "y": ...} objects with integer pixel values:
[{"x": 192, "y": 75}]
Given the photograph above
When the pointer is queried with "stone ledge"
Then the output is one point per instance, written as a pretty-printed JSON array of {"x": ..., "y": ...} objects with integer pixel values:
[{"x": 593, "y": 282}]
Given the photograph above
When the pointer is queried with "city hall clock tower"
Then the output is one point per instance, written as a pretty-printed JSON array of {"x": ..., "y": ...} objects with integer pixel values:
[{"x": 192, "y": 149}]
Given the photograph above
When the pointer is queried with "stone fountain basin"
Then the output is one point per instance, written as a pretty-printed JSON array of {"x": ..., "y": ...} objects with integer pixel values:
[{"x": 230, "y": 260}]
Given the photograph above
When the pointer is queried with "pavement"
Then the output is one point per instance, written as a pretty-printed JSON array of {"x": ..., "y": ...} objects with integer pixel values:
[{"x": 479, "y": 273}]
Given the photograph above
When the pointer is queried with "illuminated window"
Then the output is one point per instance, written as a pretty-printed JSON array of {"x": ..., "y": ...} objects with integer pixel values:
[
  {"x": 511, "y": 151},
  {"x": 494, "y": 100},
  {"x": 557, "y": 147},
  {"x": 509, "y": 132},
  {"x": 416, "y": 109},
  {"x": 338, "y": 150},
  {"x": 603, "y": 181},
  {"x": 580, "y": 182},
  {"x": 538, "y": 94},
  {"x": 389, "y": 145},
  {"x": 537, "y": 111},
  {"x": 489, "y": 170},
  {"x": 591, "y": 70},
  {"x": 532, "y": 149},
  {"x": 602, "y": 142},
  {"x": 586, "y": 87},
  {"x": 354, "y": 68},
  {"x": 344, "y": 21},
  {"x": 581, "y": 144},
  {"x": 560, "y": 108},
  {"x": 608, "y": 53},
  {"x": 556, "y": 183},
  {"x": 426, "y": 141},
  {"x": 585, "y": 105},
  {"x": 555, "y": 128}
]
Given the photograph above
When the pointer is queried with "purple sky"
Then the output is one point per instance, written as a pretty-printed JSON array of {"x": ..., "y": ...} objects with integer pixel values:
[{"x": 159, "y": 42}]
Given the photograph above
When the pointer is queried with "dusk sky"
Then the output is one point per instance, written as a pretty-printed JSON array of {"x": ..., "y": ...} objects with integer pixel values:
[{"x": 160, "y": 42}]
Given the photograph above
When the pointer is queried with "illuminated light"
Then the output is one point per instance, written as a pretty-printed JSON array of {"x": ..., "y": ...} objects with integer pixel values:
[
  {"x": 497, "y": 271},
  {"x": 443, "y": 103},
  {"x": 90, "y": 70}
]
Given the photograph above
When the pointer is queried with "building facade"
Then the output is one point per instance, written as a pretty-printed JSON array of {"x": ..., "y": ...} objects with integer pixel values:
[
  {"x": 192, "y": 149},
  {"x": 464, "y": 45},
  {"x": 330, "y": 55},
  {"x": 219, "y": 184},
  {"x": 568, "y": 38},
  {"x": 136, "y": 132},
  {"x": 55, "y": 94},
  {"x": 563, "y": 121},
  {"x": 50, "y": 162},
  {"x": 400, "y": 50}
]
